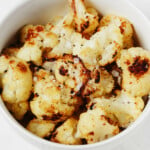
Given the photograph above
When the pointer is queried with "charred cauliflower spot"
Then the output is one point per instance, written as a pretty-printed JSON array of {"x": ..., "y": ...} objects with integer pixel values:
[
  {"x": 18, "y": 109},
  {"x": 65, "y": 134},
  {"x": 52, "y": 101},
  {"x": 125, "y": 26},
  {"x": 85, "y": 19},
  {"x": 93, "y": 126},
  {"x": 70, "y": 71},
  {"x": 28, "y": 32},
  {"x": 124, "y": 107},
  {"x": 41, "y": 128},
  {"x": 100, "y": 83},
  {"x": 16, "y": 79},
  {"x": 135, "y": 64}
]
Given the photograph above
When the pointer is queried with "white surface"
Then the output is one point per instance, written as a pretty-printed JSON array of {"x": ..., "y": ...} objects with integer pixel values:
[{"x": 10, "y": 141}]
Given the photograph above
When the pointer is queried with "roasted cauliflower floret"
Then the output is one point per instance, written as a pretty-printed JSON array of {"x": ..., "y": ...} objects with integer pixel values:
[
  {"x": 70, "y": 71},
  {"x": 65, "y": 45},
  {"x": 94, "y": 126},
  {"x": 16, "y": 79},
  {"x": 100, "y": 83},
  {"x": 39, "y": 35},
  {"x": 125, "y": 26},
  {"x": 135, "y": 64},
  {"x": 65, "y": 134},
  {"x": 69, "y": 40},
  {"x": 89, "y": 55},
  {"x": 102, "y": 48},
  {"x": 41, "y": 128},
  {"x": 30, "y": 52},
  {"x": 124, "y": 107},
  {"x": 109, "y": 42},
  {"x": 52, "y": 100},
  {"x": 85, "y": 20},
  {"x": 18, "y": 110},
  {"x": 36, "y": 40}
]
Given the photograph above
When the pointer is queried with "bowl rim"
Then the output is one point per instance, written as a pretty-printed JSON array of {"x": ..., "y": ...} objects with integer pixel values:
[{"x": 15, "y": 124}]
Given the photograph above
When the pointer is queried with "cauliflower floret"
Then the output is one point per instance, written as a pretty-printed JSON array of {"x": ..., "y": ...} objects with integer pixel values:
[
  {"x": 85, "y": 20},
  {"x": 16, "y": 79},
  {"x": 36, "y": 40},
  {"x": 94, "y": 126},
  {"x": 18, "y": 110},
  {"x": 30, "y": 52},
  {"x": 69, "y": 40},
  {"x": 65, "y": 45},
  {"x": 125, "y": 26},
  {"x": 70, "y": 71},
  {"x": 41, "y": 128},
  {"x": 52, "y": 100},
  {"x": 107, "y": 81},
  {"x": 50, "y": 40},
  {"x": 109, "y": 41},
  {"x": 89, "y": 55},
  {"x": 65, "y": 134},
  {"x": 102, "y": 48},
  {"x": 39, "y": 35},
  {"x": 135, "y": 63},
  {"x": 124, "y": 107},
  {"x": 100, "y": 83}
]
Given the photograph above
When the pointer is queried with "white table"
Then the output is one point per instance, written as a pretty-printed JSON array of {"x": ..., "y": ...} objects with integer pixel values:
[{"x": 9, "y": 140}]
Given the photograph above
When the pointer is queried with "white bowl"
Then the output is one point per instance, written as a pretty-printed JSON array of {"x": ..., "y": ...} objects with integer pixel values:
[{"x": 40, "y": 11}]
